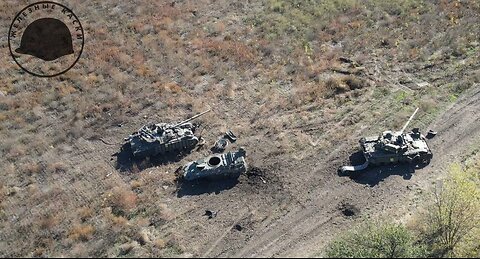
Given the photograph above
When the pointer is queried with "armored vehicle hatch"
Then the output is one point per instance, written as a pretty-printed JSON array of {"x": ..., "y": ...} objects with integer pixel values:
[{"x": 227, "y": 165}]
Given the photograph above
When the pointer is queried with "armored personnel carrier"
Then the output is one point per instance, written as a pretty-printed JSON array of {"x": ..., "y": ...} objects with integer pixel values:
[
  {"x": 154, "y": 139},
  {"x": 227, "y": 165},
  {"x": 394, "y": 147}
]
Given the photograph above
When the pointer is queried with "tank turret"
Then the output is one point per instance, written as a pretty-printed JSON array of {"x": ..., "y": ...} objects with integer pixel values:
[
  {"x": 392, "y": 147},
  {"x": 160, "y": 138},
  {"x": 227, "y": 165}
]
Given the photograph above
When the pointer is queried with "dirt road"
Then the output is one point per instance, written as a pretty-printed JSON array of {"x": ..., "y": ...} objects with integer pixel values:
[
  {"x": 286, "y": 206},
  {"x": 329, "y": 204},
  {"x": 306, "y": 229}
]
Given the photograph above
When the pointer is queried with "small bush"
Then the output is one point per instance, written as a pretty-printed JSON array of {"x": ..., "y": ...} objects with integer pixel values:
[
  {"x": 82, "y": 232},
  {"x": 127, "y": 248},
  {"x": 160, "y": 243},
  {"x": 39, "y": 252},
  {"x": 48, "y": 222},
  {"x": 428, "y": 104},
  {"x": 56, "y": 167},
  {"x": 335, "y": 85},
  {"x": 354, "y": 82},
  {"x": 308, "y": 93},
  {"x": 85, "y": 213},
  {"x": 240, "y": 52},
  {"x": 16, "y": 152},
  {"x": 31, "y": 168},
  {"x": 122, "y": 201}
]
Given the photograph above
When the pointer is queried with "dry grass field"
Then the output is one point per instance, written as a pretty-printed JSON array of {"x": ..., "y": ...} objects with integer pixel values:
[{"x": 299, "y": 82}]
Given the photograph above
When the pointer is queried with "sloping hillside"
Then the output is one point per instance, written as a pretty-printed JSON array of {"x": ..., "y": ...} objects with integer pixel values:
[{"x": 299, "y": 82}]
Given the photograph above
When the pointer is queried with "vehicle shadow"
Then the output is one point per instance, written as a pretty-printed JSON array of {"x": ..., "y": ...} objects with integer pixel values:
[
  {"x": 204, "y": 186},
  {"x": 373, "y": 175},
  {"x": 126, "y": 162}
]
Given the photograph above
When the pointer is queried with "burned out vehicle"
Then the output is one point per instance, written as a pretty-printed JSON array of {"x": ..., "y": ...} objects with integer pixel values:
[
  {"x": 218, "y": 166},
  {"x": 161, "y": 138},
  {"x": 394, "y": 147}
]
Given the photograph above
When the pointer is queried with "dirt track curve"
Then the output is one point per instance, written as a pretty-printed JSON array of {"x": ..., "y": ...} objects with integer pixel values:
[{"x": 307, "y": 226}]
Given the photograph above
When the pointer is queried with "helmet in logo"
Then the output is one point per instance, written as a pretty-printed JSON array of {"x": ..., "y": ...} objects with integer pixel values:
[{"x": 47, "y": 39}]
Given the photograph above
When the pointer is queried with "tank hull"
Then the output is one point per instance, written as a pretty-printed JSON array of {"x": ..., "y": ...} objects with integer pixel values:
[
  {"x": 398, "y": 148},
  {"x": 219, "y": 166},
  {"x": 141, "y": 148},
  {"x": 393, "y": 148},
  {"x": 162, "y": 138}
]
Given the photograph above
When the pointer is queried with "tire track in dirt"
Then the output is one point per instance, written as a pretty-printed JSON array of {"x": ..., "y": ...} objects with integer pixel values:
[
  {"x": 299, "y": 221},
  {"x": 458, "y": 128},
  {"x": 302, "y": 232},
  {"x": 459, "y": 124}
]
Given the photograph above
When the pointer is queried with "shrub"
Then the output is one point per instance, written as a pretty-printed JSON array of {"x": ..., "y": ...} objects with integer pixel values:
[
  {"x": 32, "y": 168},
  {"x": 160, "y": 243},
  {"x": 16, "y": 152},
  {"x": 48, "y": 222},
  {"x": 56, "y": 167},
  {"x": 85, "y": 213},
  {"x": 242, "y": 53},
  {"x": 375, "y": 241},
  {"x": 82, "y": 232},
  {"x": 335, "y": 85},
  {"x": 354, "y": 82},
  {"x": 122, "y": 201},
  {"x": 453, "y": 220}
]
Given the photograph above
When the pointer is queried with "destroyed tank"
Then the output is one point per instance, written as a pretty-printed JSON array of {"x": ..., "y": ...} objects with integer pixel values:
[
  {"x": 218, "y": 166},
  {"x": 155, "y": 139},
  {"x": 394, "y": 147}
]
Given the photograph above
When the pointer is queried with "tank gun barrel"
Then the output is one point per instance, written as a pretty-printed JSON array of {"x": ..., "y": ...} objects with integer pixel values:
[
  {"x": 409, "y": 120},
  {"x": 190, "y": 119}
]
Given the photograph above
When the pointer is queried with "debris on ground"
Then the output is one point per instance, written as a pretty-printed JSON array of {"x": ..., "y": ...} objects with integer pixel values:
[
  {"x": 210, "y": 214},
  {"x": 230, "y": 136},
  {"x": 220, "y": 146},
  {"x": 431, "y": 134},
  {"x": 238, "y": 227}
]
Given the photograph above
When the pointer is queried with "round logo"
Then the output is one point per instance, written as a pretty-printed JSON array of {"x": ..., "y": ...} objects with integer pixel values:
[{"x": 46, "y": 39}]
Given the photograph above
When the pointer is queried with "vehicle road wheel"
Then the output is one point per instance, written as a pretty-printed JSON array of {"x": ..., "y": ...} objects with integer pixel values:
[{"x": 421, "y": 161}]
